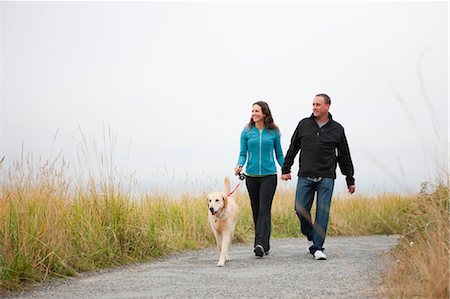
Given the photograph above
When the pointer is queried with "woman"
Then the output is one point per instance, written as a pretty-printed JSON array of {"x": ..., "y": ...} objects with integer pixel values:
[{"x": 260, "y": 138}]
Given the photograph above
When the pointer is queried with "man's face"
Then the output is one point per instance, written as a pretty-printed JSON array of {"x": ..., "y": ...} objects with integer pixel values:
[{"x": 320, "y": 108}]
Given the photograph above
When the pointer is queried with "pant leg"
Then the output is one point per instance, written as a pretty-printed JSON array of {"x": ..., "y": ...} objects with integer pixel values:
[
  {"x": 264, "y": 223},
  {"x": 324, "y": 195},
  {"x": 304, "y": 197},
  {"x": 253, "y": 187}
]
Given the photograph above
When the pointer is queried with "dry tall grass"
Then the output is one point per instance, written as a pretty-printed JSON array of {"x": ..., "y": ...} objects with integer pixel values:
[
  {"x": 52, "y": 226},
  {"x": 421, "y": 261}
]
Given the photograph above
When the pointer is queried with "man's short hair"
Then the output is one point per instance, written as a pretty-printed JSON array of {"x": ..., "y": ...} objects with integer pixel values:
[{"x": 325, "y": 96}]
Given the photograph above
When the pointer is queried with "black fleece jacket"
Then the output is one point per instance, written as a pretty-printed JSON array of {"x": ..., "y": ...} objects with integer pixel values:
[{"x": 320, "y": 150}]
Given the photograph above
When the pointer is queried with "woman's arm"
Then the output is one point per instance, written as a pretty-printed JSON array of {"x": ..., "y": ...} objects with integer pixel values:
[{"x": 279, "y": 150}]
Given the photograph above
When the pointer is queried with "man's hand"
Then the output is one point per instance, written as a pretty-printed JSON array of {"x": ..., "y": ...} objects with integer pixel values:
[
  {"x": 286, "y": 177},
  {"x": 351, "y": 189}
]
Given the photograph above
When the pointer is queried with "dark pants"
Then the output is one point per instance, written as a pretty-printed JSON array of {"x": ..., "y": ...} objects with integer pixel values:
[
  {"x": 261, "y": 191},
  {"x": 304, "y": 198}
]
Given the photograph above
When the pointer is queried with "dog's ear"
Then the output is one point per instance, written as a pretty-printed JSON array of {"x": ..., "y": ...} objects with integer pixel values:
[{"x": 225, "y": 201}]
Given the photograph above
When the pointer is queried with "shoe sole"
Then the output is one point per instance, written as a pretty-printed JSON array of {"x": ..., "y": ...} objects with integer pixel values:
[
  {"x": 259, "y": 251},
  {"x": 321, "y": 259}
]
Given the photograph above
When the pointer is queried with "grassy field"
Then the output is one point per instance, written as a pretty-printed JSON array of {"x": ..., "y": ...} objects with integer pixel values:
[
  {"x": 52, "y": 227},
  {"x": 421, "y": 260}
]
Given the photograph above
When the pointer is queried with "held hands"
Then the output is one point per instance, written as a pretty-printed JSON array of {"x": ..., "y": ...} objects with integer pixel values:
[
  {"x": 286, "y": 177},
  {"x": 351, "y": 189}
]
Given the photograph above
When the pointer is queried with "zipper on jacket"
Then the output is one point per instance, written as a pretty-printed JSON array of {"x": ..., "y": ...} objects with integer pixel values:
[{"x": 260, "y": 141}]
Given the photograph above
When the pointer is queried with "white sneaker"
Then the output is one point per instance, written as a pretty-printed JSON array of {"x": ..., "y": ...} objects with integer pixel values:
[
  {"x": 308, "y": 244},
  {"x": 319, "y": 255}
]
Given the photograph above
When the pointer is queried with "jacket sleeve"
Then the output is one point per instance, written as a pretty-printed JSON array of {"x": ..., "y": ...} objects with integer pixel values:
[
  {"x": 243, "y": 151},
  {"x": 278, "y": 150},
  {"x": 345, "y": 161},
  {"x": 294, "y": 147}
]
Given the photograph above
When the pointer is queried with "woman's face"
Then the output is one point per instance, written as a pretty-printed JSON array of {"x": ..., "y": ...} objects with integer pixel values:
[{"x": 257, "y": 114}]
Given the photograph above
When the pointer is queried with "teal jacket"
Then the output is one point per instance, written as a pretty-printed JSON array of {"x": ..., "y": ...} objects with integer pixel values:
[{"x": 260, "y": 146}]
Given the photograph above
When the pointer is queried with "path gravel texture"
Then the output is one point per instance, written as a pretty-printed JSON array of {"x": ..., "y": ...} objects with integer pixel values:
[{"x": 353, "y": 270}]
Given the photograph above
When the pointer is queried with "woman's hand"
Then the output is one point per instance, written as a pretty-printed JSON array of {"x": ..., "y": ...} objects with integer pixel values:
[{"x": 237, "y": 170}]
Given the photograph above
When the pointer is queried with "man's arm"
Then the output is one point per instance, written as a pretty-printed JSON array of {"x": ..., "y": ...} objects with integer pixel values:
[
  {"x": 294, "y": 147},
  {"x": 345, "y": 163}
]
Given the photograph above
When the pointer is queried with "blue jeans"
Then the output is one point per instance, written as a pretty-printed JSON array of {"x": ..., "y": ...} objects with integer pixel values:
[{"x": 304, "y": 198}]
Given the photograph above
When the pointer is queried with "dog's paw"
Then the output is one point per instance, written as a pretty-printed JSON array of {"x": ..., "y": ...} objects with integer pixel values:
[{"x": 221, "y": 264}]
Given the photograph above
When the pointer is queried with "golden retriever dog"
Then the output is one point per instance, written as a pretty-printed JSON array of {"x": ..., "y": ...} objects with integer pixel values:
[{"x": 222, "y": 216}]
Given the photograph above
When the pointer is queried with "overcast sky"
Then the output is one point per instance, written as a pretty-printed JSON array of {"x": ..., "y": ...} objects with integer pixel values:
[{"x": 175, "y": 81}]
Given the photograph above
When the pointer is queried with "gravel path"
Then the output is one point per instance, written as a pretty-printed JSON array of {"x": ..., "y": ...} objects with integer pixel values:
[{"x": 353, "y": 270}]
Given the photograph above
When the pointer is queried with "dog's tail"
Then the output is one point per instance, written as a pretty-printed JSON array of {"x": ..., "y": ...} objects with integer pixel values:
[{"x": 227, "y": 185}]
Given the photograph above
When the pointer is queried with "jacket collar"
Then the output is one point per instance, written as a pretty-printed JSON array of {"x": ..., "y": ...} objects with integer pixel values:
[{"x": 329, "y": 116}]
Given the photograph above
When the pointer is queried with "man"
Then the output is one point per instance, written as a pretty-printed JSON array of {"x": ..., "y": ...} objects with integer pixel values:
[{"x": 322, "y": 144}]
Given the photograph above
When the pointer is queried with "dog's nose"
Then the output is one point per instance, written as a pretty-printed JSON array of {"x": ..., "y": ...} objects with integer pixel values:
[{"x": 211, "y": 209}]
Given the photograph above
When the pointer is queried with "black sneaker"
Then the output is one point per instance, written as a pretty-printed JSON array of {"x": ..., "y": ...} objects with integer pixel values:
[{"x": 259, "y": 250}]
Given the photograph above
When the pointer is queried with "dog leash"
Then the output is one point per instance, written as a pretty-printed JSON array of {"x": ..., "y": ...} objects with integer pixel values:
[{"x": 241, "y": 177}]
